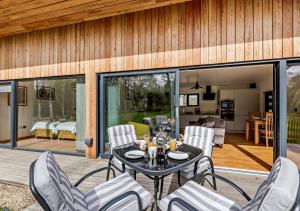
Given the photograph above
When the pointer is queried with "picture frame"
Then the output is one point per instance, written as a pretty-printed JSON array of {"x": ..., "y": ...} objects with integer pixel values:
[
  {"x": 45, "y": 93},
  {"x": 193, "y": 99},
  {"x": 22, "y": 96}
]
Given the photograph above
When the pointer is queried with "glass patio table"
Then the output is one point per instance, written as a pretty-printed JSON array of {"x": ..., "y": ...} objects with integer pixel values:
[{"x": 156, "y": 169}]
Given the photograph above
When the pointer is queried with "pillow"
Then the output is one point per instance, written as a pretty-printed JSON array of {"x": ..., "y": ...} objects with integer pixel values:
[
  {"x": 209, "y": 124},
  {"x": 201, "y": 120}
]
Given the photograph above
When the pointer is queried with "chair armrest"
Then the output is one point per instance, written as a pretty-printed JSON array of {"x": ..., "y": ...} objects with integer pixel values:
[
  {"x": 240, "y": 190},
  {"x": 123, "y": 196},
  {"x": 181, "y": 202},
  {"x": 94, "y": 172}
]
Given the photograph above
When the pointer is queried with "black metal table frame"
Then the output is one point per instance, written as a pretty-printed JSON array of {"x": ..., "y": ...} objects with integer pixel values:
[{"x": 156, "y": 176}]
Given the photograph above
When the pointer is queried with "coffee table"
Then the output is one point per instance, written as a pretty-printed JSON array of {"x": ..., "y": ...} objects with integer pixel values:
[{"x": 154, "y": 169}]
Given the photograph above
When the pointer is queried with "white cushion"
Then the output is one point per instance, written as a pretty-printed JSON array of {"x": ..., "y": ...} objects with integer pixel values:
[
  {"x": 283, "y": 191},
  {"x": 199, "y": 197},
  {"x": 100, "y": 195}
]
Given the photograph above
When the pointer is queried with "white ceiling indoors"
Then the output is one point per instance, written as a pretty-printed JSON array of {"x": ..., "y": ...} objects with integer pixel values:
[{"x": 226, "y": 76}]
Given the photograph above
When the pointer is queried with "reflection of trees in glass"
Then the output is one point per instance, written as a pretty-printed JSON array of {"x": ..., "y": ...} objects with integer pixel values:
[
  {"x": 293, "y": 89},
  {"x": 64, "y": 105},
  {"x": 149, "y": 92}
]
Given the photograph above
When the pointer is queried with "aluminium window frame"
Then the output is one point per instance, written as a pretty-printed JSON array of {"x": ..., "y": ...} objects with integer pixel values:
[
  {"x": 100, "y": 102},
  {"x": 14, "y": 114}
]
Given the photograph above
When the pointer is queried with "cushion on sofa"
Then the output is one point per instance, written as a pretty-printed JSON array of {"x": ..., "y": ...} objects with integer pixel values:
[{"x": 208, "y": 124}]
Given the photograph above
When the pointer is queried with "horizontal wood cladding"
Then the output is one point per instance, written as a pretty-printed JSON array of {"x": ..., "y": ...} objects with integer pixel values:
[
  {"x": 29, "y": 15},
  {"x": 191, "y": 33}
]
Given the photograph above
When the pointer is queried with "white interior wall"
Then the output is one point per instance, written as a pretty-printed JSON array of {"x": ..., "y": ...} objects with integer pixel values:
[
  {"x": 25, "y": 113},
  {"x": 205, "y": 106},
  {"x": 227, "y": 78},
  {"x": 264, "y": 84}
]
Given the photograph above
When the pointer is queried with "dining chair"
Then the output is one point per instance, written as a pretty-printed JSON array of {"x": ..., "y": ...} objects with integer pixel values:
[
  {"x": 268, "y": 131},
  {"x": 53, "y": 190},
  {"x": 280, "y": 192},
  {"x": 200, "y": 137},
  {"x": 252, "y": 115},
  {"x": 120, "y": 135}
]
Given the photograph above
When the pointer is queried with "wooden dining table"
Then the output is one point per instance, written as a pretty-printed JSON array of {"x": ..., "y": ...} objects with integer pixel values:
[{"x": 257, "y": 122}]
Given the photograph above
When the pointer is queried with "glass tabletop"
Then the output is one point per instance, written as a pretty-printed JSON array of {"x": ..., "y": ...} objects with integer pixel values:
[{"x": 159, "y": 166}]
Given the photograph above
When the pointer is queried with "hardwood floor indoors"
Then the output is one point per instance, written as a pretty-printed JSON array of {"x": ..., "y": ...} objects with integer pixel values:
[
  {"x": 47, "y": 144},
  {"x": 239, "y": 153}
]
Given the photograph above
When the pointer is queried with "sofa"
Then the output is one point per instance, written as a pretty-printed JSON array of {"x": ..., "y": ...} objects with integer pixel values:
[{"x": 217, "y": 124}]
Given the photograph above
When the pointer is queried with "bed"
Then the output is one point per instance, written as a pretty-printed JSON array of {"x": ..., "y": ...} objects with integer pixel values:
[
  {"x": 44, "y": 129},
  {"x": 66, "y": 130}
]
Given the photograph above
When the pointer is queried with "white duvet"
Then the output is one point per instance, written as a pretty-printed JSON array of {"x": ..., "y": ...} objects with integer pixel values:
[
  {"x": 45, "y": 125},
  {"x": 68, "y": 126}
]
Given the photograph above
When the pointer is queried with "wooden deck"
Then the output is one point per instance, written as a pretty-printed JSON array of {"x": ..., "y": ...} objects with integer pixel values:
[
  {"x": 14, "y": 165},
  {"x": 47, "y": 144},
  {"x": 239, "y": 153}
]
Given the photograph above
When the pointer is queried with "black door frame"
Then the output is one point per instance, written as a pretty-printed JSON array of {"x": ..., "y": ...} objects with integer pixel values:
[{"x": 100, "y": 143}]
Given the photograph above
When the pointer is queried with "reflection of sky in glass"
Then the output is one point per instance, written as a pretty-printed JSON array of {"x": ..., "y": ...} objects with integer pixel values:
[{"x": 151, "y": 81}]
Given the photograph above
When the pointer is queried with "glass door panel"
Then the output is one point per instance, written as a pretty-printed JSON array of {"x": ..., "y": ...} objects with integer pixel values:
[
  {"x": 5, "y": 113},
  {"x": 51, "y": 114},
  {"x": 293, "y": 113},
  {"x": 135, "y": 99}
]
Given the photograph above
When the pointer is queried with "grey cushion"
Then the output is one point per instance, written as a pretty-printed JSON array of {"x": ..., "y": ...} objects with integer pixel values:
[
  {"x": 203, "y": 165},
  {"x": 199, "y": 197},
  {"x": 55, "y": 187},
  {"x": 279, "y": 190},
  {"x": 219, "y": 123},
  {"x": 103, "y": 193},
  {"x": 202, "y": 138}
]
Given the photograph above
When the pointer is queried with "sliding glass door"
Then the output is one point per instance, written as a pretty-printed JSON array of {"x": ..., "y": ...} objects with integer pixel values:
[
  {"x": 293, "y": 112},
  {"x": 137, "y": 99},
  {"x": 6, "y": 110}
]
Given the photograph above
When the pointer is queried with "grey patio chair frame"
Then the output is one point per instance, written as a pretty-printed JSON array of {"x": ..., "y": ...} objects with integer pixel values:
[
  {"x": 296, "y": 206},
  {"x": 46, "y": 207},
  {"x": 110, "y": 165}
]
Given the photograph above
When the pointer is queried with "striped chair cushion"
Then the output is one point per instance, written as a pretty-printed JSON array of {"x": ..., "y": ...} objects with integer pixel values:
[
  {"x": 203, "y": 165},
  {"x": 199, "y": 197},
  {"x": 279, "y": 190},
  {"x": 97, "y": 197},
  {"x": 199, "y": 137},
  {"x": 55, "y": 187},
  {"x": 120, "y": 135}
]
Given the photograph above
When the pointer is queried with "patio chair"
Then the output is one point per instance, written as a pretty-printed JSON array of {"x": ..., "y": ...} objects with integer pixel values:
[
  {"x": 120, "y": 135},
  {"x": 280, "y": 192},
  {"x": 200, "y": 137},
  {"x": 161, "y": 120},
  {"x": 52, "y": 189}
]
